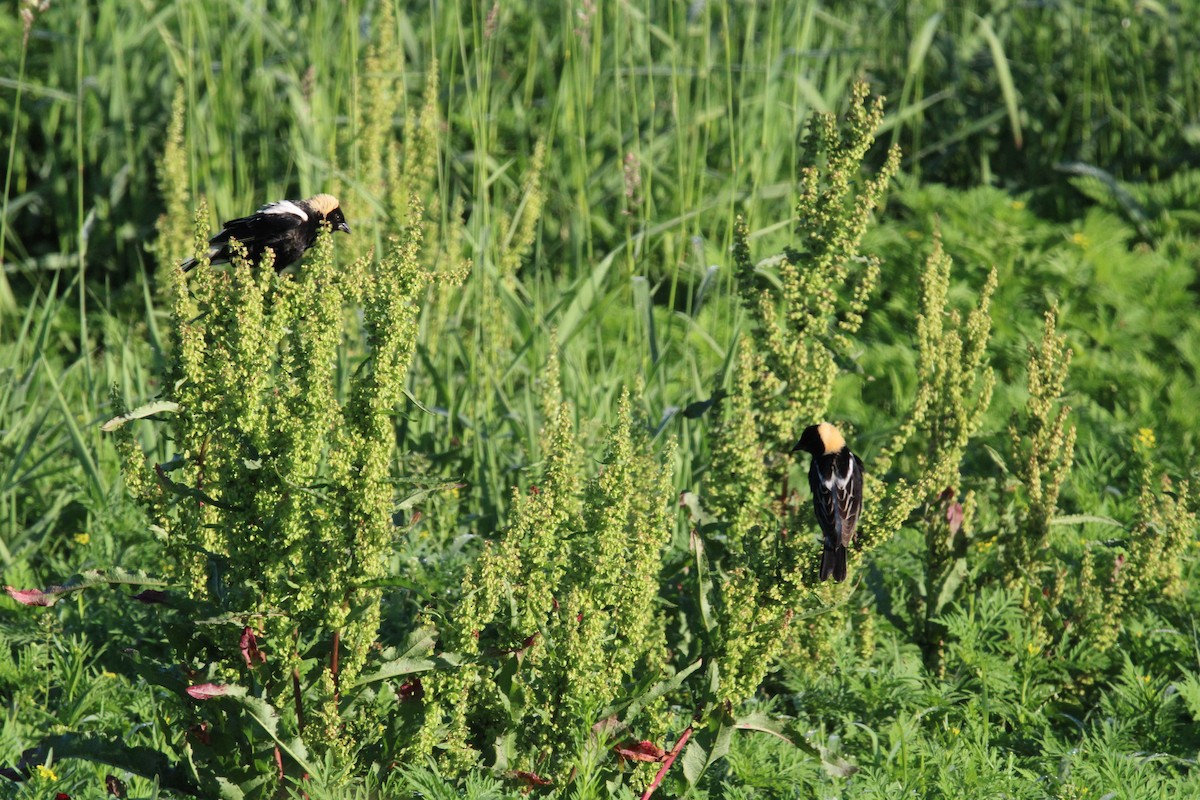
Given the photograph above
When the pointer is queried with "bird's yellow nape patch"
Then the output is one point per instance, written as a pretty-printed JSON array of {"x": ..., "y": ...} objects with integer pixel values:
[
  {"x": 323, "y": 204},
  {"x": 830, "y": 437}
]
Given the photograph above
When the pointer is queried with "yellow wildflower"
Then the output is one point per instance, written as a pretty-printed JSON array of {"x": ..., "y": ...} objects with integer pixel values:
[
  {"x": 45, "y": 773},
  {"x": 1145, "y": 438}
]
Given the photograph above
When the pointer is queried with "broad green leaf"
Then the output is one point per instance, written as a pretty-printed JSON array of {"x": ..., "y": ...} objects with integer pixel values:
[
  {"x": 414, "y": 659},
  {"x": 157, "y": 407}
]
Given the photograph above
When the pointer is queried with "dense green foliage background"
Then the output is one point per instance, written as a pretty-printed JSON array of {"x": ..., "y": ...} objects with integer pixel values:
[{"x": 590, "y": 161}]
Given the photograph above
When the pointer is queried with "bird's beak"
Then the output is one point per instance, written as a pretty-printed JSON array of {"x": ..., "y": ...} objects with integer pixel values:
[
  {"x": 797, "y": 448},
  {"x": 343, "y": 227}
]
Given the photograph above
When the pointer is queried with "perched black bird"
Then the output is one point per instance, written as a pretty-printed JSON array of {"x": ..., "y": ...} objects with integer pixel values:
[
  {"x": 836, "y": 479},
  {"x": 287, "y": 227}
]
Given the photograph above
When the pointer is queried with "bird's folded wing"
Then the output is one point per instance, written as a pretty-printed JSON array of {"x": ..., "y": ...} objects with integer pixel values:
[
  {"x": 257, "y": 227},
  {"x": 823, "y": 502}
]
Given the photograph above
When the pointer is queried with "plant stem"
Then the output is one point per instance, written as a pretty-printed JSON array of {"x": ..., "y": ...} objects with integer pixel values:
[{"x": 667, "y": 762}]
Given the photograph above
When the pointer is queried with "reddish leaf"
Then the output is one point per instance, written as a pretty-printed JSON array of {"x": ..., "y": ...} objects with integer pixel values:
[
  {"x": 151, "y": 596},
  {"x": 31, "y": 597},
  {"x": 667, "y": 762},
  {"x": 200, "y": 733},
  {"x": 206, "y": 691},
  {"x": 61, "y": 796},
  {"x": 605, "y": 725},
  {"x": 954, "y": 517},
  {"x": 412, "y": 690},
  {"x": 526, "y": 643},
  {"x": 249, "y": 647},
  {"x": 531, "y": 778},
  {"x": 640, "y": 751}
]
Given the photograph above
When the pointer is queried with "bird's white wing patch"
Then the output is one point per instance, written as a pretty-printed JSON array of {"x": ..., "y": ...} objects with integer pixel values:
[
  {"x": 828, "y": 481},
  {"x": 284, "y": 207},
  {"x": 844, "y": 480}
]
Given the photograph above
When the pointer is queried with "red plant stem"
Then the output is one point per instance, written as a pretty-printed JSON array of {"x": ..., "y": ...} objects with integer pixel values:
[
  {"x": 279, "y": 761},
  {"x": 667, "y": 762}
]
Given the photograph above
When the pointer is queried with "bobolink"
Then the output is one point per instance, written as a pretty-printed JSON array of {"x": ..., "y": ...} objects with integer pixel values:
[
  {"x": 287, "y": 227},
  {"x": 836, "y": 480}
]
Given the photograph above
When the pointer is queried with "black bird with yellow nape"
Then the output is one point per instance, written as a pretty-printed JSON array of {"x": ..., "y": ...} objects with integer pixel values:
[
  {"x": 287, "y": 227},
  {"x": 836, "y": 480}
]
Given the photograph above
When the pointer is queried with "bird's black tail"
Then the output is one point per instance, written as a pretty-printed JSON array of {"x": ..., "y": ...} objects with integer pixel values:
[
  {"x": 833, "y": 563},
  {"x": 188, "y": 265}
]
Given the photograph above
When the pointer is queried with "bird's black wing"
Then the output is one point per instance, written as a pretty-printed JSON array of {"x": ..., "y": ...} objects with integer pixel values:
[
  {"x": 264, "y": 228},
  {"x": 823, "y": 501},
  {"x": 849, "y": 485},
  {"x": 258, "y": 226},
  {"x": 833, "y": 555}
]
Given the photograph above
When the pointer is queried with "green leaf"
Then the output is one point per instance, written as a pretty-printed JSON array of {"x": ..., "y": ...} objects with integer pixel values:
[
  {"x": 919, "y": 48},
  {"x": 102, "y": 749},
  {"x": 227, "y": 790},
  {"x": 414, "y": 659},
  {"x": 645, "y": 309},
  {"x": 663, "y": 687},
  {"x": 1081, "y": 519},
  {"x": 704, "y": 582},
  {"x": 954, "y": 579},
  {"x": 702, "y": 759},
  {"x": 1004, "y": 75},
  {"x": 83, "y": 580},
  {"x": 157, "y": 407},
  {"x": 421, "y": 494},
  {"x": 997, "y": 459},
  {"x": 187, "y": 491},
  {"x": 82, "y": 451},
  {"x": 721, "y": 745},
  {"x": 584, "y": 298},
  {"x": 694, "y": 760},
  {"x": 267, "y": 718},
  {"x": 758, "y": 721}
]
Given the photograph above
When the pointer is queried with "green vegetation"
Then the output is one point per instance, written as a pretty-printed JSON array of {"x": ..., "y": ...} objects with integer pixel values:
[{"x": 494, "y": 497}]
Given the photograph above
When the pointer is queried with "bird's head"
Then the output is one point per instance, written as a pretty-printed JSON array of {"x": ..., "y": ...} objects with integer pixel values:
[
  {"x": 328, "y": 207},
  {"x": 820, "y": 439}
]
